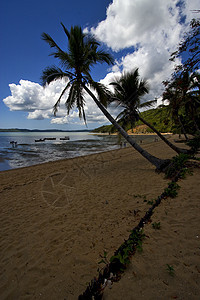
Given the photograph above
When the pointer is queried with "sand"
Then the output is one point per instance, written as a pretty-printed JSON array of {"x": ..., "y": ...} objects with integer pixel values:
[{"x": 58, "y": 218}]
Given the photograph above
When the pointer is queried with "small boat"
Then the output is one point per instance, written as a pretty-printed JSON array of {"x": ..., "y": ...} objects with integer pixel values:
[
  {"x": 50, "y": 139},
  {"x": 66, "y": 138},
  {"x": 40, "y": 140}
]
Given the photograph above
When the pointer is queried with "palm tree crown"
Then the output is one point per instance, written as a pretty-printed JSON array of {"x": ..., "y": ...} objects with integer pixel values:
[
  {"x": 76, "y": 62},
  {"x": 128, "y": 90},
  {"x": 183, "y": 100}
]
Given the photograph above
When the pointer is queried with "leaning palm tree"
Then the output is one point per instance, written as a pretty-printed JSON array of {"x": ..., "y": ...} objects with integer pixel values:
[
  {"x": 190, "y": 87},
  {"x": 174, "y": 108},
  {"x": 83, "y": 53},
  {"x": 183, "y": 97},
  {"x": 128, "y": 90}
]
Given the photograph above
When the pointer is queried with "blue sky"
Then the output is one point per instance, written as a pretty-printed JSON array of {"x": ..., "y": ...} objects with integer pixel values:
[{"x": 135, "y": 32}]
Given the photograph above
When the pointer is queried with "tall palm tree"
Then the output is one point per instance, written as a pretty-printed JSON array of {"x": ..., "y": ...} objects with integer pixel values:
[
  {"x": 191, "y": 97},
  {"x": 128, "y": 90},
  {"x": 83, "y": 53},
  {"x": 173, "y": 107},
  {"x": 183, "y": 97}
]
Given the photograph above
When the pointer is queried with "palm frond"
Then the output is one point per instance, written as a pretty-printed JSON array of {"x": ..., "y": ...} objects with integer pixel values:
[
  {"x": 82, "y": 53},
  {"x": 47, "y": 38},
  {"x": 104, "y": 94},
  {"x": 148, "y": 103},
  {"x": 53, "y": 73},
  {"x": 125, "y": 119},
  {"x": 121, "y": 115},
  {"x": 71, "y": 98},
  {"x": 117, "y": 86},
  {"x": 62, "y": 56},
  {"x": 102, "y": 56},
  {"x": 56, "y": 105},
  {"x": 50, "y": 74},
  {"x": 128, "y": 90},
  {"x": 76, "y": 98},
  {"x": 65, "y": 30},
  {"x": 80, "y": 102}
]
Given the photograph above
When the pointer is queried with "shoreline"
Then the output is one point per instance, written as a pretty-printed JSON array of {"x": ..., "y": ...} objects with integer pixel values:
[
  {"x": 4, "y": 161},
  {"x": 134, "y": 134},
  {"x": 59, "y": 161},
  {"x": 57, "y": 218}
]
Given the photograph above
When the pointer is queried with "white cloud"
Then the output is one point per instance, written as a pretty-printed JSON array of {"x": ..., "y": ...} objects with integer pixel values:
[
  {"x": 149, "y": 30},
  {"x": 30, "y": 96},
  {"x": 153, "y": 66},
  {"x": 132, "y": 22},
  {"x": 61, "y": 120},
  {"x": 190, "y": 6},
  {"x": 38, "y": 102},
  {"x": 39, "y": 114}
]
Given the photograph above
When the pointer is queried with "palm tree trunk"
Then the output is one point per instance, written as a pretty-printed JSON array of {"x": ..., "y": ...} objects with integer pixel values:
[
  {"x": 183, "y": 128},
  {"x": 160, "y": 164},
  {"x": 196, "y": 126},
  {"x": 172, "y": 146}
]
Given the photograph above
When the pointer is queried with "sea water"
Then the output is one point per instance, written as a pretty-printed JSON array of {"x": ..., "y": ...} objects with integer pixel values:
[{"x": 27, "y": 152}]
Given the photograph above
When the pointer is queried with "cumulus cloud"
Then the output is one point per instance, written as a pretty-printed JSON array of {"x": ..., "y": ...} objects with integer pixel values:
[
  {"x": 38, "y": 102},
  {"x": 189, "y": 8},
  {"x": 61, "y": 120},
  {"x": 135, "y": 22},
  {"x": 32, "y": 97},
  {"x": 149, "y": 31},
  {"x": 153, "y": 66}
]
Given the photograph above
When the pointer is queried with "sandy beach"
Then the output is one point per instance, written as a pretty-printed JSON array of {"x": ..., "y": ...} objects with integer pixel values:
[{"x": 58, "y": 218}]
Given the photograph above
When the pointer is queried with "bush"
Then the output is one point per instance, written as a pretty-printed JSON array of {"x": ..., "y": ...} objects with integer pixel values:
[
  {"x": 176, "y": 165},
  {"x": 194, "y": 144}
]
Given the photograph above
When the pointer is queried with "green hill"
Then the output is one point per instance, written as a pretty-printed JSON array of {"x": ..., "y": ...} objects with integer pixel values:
[{"x": 157, "y": 117}]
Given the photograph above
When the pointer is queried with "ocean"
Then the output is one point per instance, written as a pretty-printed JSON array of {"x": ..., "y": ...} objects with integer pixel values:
[{"x": 27, "y": 152}]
